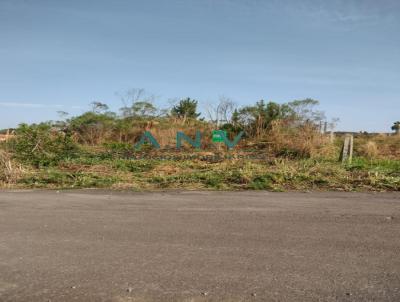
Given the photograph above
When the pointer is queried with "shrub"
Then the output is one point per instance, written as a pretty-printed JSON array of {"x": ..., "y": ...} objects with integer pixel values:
[
  {"x": 40, "y": 145},
  {"x": 263, "y": 182},
  {"x": 92, "y": 128}
]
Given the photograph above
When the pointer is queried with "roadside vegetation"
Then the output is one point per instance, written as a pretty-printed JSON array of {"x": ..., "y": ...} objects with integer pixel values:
[{"x": 284, "y": 147}]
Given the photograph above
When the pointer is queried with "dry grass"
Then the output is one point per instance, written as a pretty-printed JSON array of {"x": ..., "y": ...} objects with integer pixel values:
[
  {"x": 378, "y": 146},
  {"x": 369, "y": 150},
  {"x": 9, "y": 172},
  {"x": 166, "y": 134},
  {"x": 291, "y": 158},
  {"x": 301, "y": 142}
]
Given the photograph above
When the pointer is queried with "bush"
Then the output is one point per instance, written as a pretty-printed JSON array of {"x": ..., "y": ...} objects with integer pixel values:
[
  {"x": 263, "y": 182},
  {"x": 40, "y": 145}
]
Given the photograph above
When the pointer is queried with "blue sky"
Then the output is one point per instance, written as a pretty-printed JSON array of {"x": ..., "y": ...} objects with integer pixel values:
[{"x": 62, "y": 55}]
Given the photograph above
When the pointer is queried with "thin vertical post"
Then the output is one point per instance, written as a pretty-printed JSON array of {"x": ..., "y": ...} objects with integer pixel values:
[{"x": 347, "y": 150}]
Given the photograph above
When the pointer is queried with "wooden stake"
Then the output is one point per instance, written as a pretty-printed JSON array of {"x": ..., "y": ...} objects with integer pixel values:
[{"x": 347, "y": 150}]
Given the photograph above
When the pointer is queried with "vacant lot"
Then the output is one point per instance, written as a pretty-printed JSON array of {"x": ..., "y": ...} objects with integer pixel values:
[{"x": 199, "y": 246}]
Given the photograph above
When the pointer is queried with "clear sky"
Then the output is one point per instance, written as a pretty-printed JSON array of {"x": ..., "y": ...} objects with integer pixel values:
[{"x": 62, "y": 55}]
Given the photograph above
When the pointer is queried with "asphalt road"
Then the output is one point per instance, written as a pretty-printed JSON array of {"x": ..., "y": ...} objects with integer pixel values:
[{"x": 199, "y": 246}]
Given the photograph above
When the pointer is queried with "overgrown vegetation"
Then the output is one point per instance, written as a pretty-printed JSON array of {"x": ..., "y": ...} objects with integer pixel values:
[{"x": 283, "y": 148}]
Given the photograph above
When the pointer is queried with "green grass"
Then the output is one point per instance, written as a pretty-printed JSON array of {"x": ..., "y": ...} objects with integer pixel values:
[
  {"x": 390, "y": 167},
  {"x": 278, "y": 174}
]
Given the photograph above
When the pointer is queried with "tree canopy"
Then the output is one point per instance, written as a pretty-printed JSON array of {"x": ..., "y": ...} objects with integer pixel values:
[{"x": 186, "y": 109}]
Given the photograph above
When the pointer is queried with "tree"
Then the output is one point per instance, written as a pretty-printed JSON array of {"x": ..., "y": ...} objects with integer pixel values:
[
  {"x": 235, "y": 117},
  {"x": 98, "y": 107},
  {"x": 333, "y": 123},
  {"x": 92, "y": 128},
  {"x": 396, "y": 127},
  {"x": 222, "y": 112},
  {"x": 62, "y": 114},
  {"x": 143, "y": 109},
  {"x": 186, "y": 109},
  {"x": 259, "y": 117},
  {"x": 61, "y": 124},
  {"x": 131, "y": 96},
  {"x": 304, "y": 110},
  {"x": 137, "y": 103}
]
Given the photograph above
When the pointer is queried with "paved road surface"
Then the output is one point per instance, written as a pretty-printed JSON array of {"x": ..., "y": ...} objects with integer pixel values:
[{"x": 199, "y": 246}]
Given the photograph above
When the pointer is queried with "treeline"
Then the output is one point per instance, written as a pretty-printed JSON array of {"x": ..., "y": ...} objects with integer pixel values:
[
  {"x": 289, "y": 129},
  {"x": 139, "y": 113}
]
